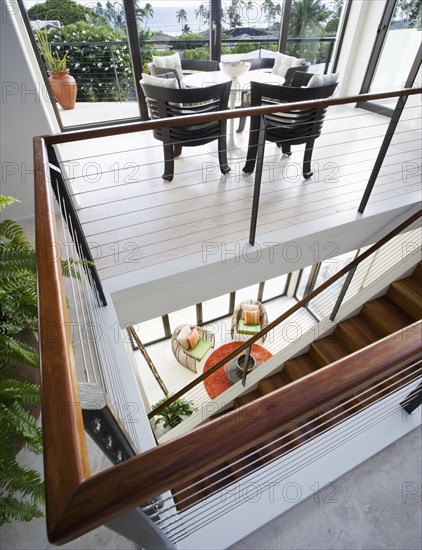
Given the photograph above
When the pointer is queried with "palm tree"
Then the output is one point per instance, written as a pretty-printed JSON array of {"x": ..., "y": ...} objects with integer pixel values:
[
  {"x": 146, "y": 13},
  {"x": 182, "y": 17},
  {"x": 203, "y": 14},
  {"x": 268, "y": 8},
  {"x": 306, "y": 18},
  {"x": 233, "y": 15},
  {"x": 248, "y": 8},
  {"x": 115, "y": 15}
]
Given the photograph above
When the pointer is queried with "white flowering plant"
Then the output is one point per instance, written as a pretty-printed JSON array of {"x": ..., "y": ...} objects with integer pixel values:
[{"x": 100, "y": 60}]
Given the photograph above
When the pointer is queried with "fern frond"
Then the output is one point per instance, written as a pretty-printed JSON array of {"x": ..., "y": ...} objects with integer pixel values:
[
  {"x": 17, "y": 353},
  {"x": 18, "y": 425},
  {"x": 13, "y": 509},
  {"x": 12, "y": 231},
  {"x": 5, "y": 201},
  {"x": 13, "y": 388}
]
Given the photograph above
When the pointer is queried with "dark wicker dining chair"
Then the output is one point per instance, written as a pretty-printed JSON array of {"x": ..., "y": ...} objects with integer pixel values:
[
  {"x": 167, "y": 103},
  {"x": 260, "y": 63},
  {"x": 294, "y": 127}
]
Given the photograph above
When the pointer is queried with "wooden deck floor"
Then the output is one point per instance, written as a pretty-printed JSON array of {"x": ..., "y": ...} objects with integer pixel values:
[{"x": 133, "y": 219}]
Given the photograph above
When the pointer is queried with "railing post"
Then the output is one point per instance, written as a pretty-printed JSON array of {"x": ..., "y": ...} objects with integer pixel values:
[
  {"x": 413, "y": 400},
  {"x": 382, "y": 152},
  {"x": 329, "y": 54},
  {"x": 390, "y": 130},
  {"x": 62, "y": 195},
  {"x": 342, "y": 294},
  {"x": 245, "y": 365},
  {"x": 258, "y": 179}
]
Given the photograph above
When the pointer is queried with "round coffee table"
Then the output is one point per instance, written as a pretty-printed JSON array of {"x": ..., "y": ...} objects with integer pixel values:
[{"x": 223, "y": 378}]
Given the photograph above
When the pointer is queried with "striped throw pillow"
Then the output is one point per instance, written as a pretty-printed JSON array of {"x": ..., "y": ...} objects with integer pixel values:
[
  {"x": 193, "y": 338},
  {"x": 252, "y": 317}
]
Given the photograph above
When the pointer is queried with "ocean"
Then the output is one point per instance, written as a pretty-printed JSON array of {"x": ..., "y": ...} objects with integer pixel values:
[{"x": 165, "y": 20}]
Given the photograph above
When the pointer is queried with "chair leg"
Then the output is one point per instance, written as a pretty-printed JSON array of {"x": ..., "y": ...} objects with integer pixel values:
[
  {"x": 242, "y": 124},
  {"x": 252, "y": 146},
  {"x": 168, "y": 162},
  {"x": 286, "y": 149},
  {"x": 222, "y": 151},
  {"x": 309, "y": 149},
  {"x": 177, "y": 149}
]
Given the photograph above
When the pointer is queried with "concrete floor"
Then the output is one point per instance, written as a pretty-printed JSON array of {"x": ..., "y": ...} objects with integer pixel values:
[{"x": 375, "y": 506}]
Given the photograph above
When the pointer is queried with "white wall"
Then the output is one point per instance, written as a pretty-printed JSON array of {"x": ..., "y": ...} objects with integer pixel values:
[
  {"x": 25, "y": 111},
  {"x": 151, "y": 292},
  {"x": 358, "y": 42}
]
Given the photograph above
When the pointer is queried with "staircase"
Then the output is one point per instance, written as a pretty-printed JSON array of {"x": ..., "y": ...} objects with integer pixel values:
[{"x": 399, "y": 307}]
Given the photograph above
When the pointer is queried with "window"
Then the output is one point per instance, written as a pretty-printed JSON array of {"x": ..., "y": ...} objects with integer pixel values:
[
  {"x": 185, "y": 316},
  {"x": 275, "y": 287},
  {"x": 247, "y": 293},
  {"x": 215, "y": 308},
  {"x": 150, "y": 331}
]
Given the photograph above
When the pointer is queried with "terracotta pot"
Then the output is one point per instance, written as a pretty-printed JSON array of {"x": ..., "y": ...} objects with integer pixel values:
[{"x": 64, "y": 88}]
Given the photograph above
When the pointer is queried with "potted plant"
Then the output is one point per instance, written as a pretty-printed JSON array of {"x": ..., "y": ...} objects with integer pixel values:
[
  {"x": 174, "y": 413},
  {"x": 63, "y": 85}
]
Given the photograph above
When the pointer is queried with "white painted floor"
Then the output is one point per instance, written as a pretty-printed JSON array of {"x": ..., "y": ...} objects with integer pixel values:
[
  {"x": 133, "y": 219},
  {"x": 176, "y": 376}
]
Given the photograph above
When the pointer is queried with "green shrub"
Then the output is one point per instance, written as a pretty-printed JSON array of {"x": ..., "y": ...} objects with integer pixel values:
[
  {"x": 174, "y": 413},
  {"x": 102, "y": 72}
]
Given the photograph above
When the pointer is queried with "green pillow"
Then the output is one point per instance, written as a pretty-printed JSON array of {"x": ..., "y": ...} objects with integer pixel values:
[
  {"x": 200, "y": 350},
  {"x": 247, "y": 329}
]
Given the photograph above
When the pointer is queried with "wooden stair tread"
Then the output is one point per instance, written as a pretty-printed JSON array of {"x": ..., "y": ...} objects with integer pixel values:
[
  {"x": 298, "y": 367},
  {"x": 247, "y": 398},
  {"x": 417, "y": 272},
  {"x": 407, "y": 294},
  {"x": 355, "y": 333},
  {"x": 272, "y": 383},
  {"x": 385, "y": 316},
  {"x": 377, "y": 319},
  {"x": 326, "y": 351}
]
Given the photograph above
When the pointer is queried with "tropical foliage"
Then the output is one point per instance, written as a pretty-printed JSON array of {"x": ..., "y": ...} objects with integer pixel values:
[
  {"x": 55, "y": 61},
  {"x": 103, "y": 72},
  {"x": 174, "y": 413},
  {"x": 65, "y": 11},
  {"x": 21, "y": 488}
]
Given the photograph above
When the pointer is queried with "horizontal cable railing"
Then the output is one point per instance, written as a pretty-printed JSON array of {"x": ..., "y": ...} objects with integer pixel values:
[
  {"x": 81, "y": 135},
  {"x": 103, "y": 71},
  {"x": 132, "y": 219},
  {"x": 84, "y": 502},
  {"x": 284, "y": 329},
  {"x": 272, "y": 463},
  {"x": 146, "y": 476}
]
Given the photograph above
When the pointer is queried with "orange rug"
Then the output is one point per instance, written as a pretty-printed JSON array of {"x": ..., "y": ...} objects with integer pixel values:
[{"x": 218, "y": 382}]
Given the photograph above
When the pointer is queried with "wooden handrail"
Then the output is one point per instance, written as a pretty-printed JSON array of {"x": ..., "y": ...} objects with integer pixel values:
[
  {"x": 352, "y": 265},
  {"x": 76, "y": 502},
  {"x": 141, "y": 478},
  {"x": 67, "y": 137},
  {"x": 65, "y": 455}
]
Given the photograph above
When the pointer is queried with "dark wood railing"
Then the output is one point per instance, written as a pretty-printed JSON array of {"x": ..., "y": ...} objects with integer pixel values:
[{"x": 77, "y": 502}]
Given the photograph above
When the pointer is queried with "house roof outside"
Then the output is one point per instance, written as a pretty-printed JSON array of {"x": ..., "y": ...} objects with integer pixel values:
[{"x": 46, "y": 25}]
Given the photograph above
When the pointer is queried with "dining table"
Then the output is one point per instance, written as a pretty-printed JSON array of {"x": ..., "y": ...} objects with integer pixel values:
[{"x": 239, "y": 85}]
